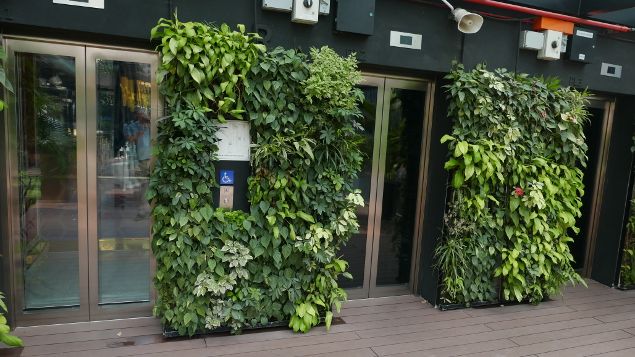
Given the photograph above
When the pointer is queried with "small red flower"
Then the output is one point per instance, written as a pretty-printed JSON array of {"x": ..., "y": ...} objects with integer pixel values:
[{"x": 519, "y": 192}]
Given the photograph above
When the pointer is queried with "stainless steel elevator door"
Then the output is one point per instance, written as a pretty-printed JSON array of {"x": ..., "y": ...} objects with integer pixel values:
[
  {"x": 394, "y": 121},
  {"x": 79, "y": 131}
]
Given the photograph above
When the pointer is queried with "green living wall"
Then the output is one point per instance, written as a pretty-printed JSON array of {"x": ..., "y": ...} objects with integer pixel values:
[
  {"x": 279, "y": 261},
  {"x": 516, "y": 151}
]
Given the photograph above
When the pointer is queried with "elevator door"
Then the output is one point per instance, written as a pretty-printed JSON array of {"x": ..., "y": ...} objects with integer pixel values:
[
  {"x": 79, "y": 131},
  {"x": 381, "y": 253}
]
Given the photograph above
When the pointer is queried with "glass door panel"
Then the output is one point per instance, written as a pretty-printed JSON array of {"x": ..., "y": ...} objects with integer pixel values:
[
  {"x": 400, "y": 186},
  {"x": 122, "y": 112},
  {"x": 123, "y": 162},
  {"x": 355, "y": 251},
  {"x": 47, "y": 164},
  {"x": 47, "y": 202}
]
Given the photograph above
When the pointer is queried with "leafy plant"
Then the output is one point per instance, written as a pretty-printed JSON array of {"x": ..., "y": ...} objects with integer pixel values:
[
  {"x": 515, "y": 148},
  {"x": 627, "y": 268},
  {"x": 279, "y": 260}
]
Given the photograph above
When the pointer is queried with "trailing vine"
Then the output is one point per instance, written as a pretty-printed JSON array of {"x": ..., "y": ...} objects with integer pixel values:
[
  {"x": 515, "y": 146},
  {"x": 279, "y": 261}
]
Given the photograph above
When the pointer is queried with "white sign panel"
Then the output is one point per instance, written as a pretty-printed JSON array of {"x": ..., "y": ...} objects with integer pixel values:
[
  {"x": 234, "y": 142},
  {"x": 97, "y": 4}
]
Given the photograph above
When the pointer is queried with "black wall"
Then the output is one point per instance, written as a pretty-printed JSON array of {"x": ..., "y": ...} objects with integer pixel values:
[{"x": 128, "y": 23}]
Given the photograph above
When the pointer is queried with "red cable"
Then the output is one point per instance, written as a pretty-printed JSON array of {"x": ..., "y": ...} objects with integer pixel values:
[{"x": 553, "y": 15}]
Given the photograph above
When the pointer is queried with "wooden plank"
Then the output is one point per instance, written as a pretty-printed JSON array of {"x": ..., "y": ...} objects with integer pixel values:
[
  {"x": 175, "y": 348},
  {"x": 418, "y": 305},
  {"x": 624, "y": 300},
  {"x": 339, "y": 346},
  {"x": 629, "y": 352},
  {"x": 556, "y": 345},
  {"x": 490, "y": 348},
  {"x": 87, "y": 326},
  {"x": 91, "y": 335},
  {"x": 395, "y": 315},
  {"x": 545, "y": 336},
  {"x": 502, "y": 325},
  {"x": 427, "y": 324},
  {"x": 617, "y": 316},
  {"x": 360, "y": 352},
  {"x": 67, "y": 347},
  {"x": 598, "y": 348},
  {"x": 472, "y": 338}
]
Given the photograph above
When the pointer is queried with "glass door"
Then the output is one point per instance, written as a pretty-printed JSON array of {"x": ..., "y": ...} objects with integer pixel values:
[
  {"x": 122, "y": 112},
  {"x": 395, "y": 121},
  {"x": 46, "y": 132},
  {"x": 79, "y": 131}
]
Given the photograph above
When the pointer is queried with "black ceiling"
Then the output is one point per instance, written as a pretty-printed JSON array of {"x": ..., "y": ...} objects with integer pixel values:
[{"x": 615, "y": 11}]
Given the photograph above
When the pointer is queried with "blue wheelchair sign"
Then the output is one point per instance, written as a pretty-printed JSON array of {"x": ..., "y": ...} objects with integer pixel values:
[{"x": 226, "y": 177}]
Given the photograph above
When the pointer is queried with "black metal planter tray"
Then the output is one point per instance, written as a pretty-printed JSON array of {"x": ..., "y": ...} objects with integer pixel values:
[
  {"x": 626, "y": 287},
  {"x": 168, "y": 332},
  {"x": 447, "y": 307},
  {"x": 486, "y": 304}
]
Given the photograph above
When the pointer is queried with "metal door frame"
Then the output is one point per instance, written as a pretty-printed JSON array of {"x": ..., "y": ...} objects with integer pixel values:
[
  {"x": 134, "y": 309},
  {"x": 54, "y": 315},
  {"x": 85, "y": 79},
  {"x": 384, "y": 85}
]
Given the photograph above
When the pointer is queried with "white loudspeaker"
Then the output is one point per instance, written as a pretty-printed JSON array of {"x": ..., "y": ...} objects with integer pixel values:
[{"x": 467, "y": 21}]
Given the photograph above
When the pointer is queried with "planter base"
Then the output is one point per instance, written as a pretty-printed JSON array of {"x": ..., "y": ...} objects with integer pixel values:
[{"x": 171, "y": 333}]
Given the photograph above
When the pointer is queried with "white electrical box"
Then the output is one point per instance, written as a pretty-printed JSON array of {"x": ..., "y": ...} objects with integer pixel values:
[
  {"x": 96, "y": 4},
  {"x": 531, "y": 40},
  {"x": 551, "y": 46},
  {"x": 278, "y": 5},
  {"x": 305, "y": 11},
  {"x": 325, "y": 7},
  {"x": 405, "y": 40}
]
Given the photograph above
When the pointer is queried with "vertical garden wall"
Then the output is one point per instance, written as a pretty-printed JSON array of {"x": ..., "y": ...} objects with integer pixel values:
[
  {"x": 516, "y": 151},
  {"x": 277, "y": 262}
]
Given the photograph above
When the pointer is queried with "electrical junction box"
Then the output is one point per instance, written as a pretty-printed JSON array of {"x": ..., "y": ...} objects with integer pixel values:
[
  {"x": 305, "y": 11},
  {"x": 96, "y": 4},
  {"x": 278, "y": 5},
  {"x": 356, "y": 16},
  {"x": 325, "y": 7},
  {"x": 581, "y": 46},
  {"x": 531, "y": 40},
  {"x": 551, "y": 46}
]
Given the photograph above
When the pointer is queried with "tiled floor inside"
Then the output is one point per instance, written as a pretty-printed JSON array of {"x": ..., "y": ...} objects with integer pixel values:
[{"x": 585, "y": 321}]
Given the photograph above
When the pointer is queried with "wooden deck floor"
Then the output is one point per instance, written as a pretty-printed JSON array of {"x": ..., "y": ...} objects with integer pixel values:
[{"x": 593, "y": 321}]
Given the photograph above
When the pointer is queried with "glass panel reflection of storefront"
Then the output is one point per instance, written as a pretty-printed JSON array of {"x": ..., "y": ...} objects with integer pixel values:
[
  {"x": 47, "y": 164},
  {"x": 123, "y": 163}
]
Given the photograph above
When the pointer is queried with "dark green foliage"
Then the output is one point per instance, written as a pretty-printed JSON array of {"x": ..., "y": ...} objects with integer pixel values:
[
  {"x": 279, "y": 261},
  {"x": 515, "y": 147}
]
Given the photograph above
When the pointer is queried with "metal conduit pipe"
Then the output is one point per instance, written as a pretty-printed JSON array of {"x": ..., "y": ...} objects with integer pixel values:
[{"x": 554, "y": 15}]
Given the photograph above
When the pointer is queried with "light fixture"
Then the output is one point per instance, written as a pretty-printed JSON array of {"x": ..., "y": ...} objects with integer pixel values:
[{"x": 467, "y": 22}]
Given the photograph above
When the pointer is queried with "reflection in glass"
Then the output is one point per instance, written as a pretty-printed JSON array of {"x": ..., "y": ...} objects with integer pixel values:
[
  {"x": 123, "y": 163},
  {"x": 355, "y": 250},
  {"x": 47, "y": 164},
  {"x": 400, "y": 186}
]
